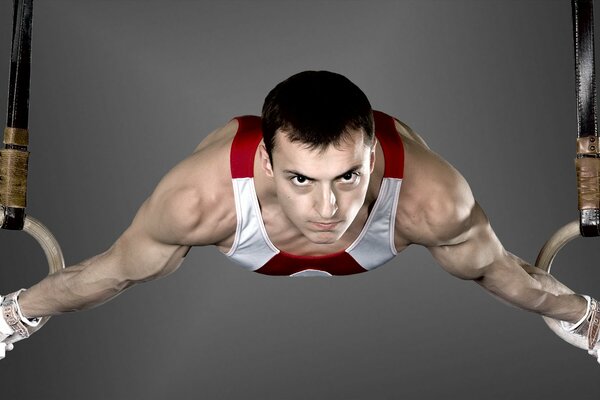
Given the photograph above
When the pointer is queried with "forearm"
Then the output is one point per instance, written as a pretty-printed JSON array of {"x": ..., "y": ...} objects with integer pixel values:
[
  {"x": 78, "y": 287},
  {"x": 532, "y": 289},
  {"x": 100, "y": 278},
  {"x": 564, "y": 307}
]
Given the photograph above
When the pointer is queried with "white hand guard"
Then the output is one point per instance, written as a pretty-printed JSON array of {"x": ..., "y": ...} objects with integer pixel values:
[
  {"x": 5, "y": 332},
  {"x": 13, "y": 325},
  {"x": 588, "y": 327}
]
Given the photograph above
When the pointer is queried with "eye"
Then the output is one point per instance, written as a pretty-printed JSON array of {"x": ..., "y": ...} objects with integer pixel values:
[
  {"x": 350, "y": 177},
  {"x": 300, "y": 180}
]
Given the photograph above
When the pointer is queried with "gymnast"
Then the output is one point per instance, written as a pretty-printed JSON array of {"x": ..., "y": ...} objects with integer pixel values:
[{"x": 319, "y": 185}]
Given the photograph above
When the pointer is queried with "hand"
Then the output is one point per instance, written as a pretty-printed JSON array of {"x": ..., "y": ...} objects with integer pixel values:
[
  {"x": 4, "y": 347},
  {"x": 13, "y": 325},
  {"x": 5, "y": 333}
]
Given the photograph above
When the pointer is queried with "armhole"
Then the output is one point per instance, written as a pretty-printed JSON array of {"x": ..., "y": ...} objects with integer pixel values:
[
  {"x": 393, "y": 219},
  {"x": 391, "y": 144},
  {"x": 238, "y": 216}
]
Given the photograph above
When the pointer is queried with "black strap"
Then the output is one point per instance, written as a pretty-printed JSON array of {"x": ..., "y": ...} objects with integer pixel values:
[
  {"x": 587, "y": 124},
  {"x": 18, "y": 91},
  {"x": 583, "y": 31},
  {"x": 20, "y": 65}
]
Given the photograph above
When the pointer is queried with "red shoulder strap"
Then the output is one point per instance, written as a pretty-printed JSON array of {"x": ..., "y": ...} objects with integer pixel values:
[
  {"x": 249, "y": 135},
  {"x": 391, "y": 143},
  {"x": 243, "y": 148}
]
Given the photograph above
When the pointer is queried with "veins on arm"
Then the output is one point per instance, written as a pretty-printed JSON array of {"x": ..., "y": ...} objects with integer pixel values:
[
  {"x": 478, "y": 255},
  {"x": 445, "y": 218},
  {"x": 154, "y": 245}
]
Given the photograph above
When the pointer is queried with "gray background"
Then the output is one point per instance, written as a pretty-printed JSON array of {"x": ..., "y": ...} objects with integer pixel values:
[{"x": 123, "y": 90}]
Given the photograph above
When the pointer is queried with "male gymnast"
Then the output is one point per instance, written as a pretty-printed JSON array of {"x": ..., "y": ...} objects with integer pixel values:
[{"x": 319, "y": 185}]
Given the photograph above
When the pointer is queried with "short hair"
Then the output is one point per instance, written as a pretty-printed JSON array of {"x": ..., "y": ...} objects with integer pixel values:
[{"x": 316, "y": 108}]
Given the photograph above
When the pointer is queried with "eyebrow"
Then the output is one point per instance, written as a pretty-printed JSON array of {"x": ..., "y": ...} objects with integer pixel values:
[{"x": 351, "y": 170}]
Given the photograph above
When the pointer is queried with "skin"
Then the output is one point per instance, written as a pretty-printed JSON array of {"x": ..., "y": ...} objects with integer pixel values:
[{"x": 313, "y": 202}]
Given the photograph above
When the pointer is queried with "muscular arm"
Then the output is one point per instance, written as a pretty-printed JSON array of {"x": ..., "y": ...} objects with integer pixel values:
[
  {"x": 438, "y": 211},
  {"x": 183, "y": 211},
  {"x": 477, "y": 254},
  {"x": 137, "y": 256},
  {"x": 148, "y": 249}
]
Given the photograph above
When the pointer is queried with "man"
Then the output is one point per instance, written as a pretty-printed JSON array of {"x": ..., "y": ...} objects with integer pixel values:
[{"x": 320, "y": 186}]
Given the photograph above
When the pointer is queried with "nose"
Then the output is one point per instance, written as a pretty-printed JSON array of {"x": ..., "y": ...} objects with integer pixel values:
[{"x": 326, "y": 203}]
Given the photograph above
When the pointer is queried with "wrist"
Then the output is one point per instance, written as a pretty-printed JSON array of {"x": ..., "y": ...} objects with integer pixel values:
[
  {"x": 13, "y": 317},
  {"x": 588, "y": 327},
  {"x": 571, "y": 327}
]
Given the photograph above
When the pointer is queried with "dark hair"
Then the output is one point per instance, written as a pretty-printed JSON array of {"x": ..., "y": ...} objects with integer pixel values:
[{"x": 316, "y": 108}]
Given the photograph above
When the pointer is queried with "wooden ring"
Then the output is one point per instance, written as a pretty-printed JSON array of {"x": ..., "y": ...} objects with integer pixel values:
[
  {"x": 49, "y": 244},
  {"x": 544, "y": 261}
]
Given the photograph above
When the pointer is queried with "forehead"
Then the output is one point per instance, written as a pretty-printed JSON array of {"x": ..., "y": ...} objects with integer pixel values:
[{"x": 350, "y": 151}]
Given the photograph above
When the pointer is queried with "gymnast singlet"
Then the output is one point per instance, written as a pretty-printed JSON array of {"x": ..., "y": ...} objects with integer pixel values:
[{"x": 252, "y": 247}]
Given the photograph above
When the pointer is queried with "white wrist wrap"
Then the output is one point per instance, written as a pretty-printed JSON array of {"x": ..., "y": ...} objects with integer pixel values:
[
  {"x": 589, "y": 326},
  {"x": 12, "y": 315},
  {"x": 5, "y": 329}
]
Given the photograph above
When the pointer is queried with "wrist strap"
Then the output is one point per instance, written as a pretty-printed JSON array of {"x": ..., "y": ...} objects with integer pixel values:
[
  {"x": 589, "y": 325},
  {"x": 5, "y": 329},
  {"x": 594, "y": 325},
  {"x": 14, "y": 317},
  {"x": 573, "y": 327}
]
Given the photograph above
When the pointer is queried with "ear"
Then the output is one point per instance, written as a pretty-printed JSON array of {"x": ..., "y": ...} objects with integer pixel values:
[
  {"x": 373, "y": 151},
  {"x": 265, "y": 161}
]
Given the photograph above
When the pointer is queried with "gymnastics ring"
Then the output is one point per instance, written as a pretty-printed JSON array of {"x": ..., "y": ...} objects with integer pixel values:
[
  {"x": 49, "y": 244},
  {"x": 544, "y": 261}
]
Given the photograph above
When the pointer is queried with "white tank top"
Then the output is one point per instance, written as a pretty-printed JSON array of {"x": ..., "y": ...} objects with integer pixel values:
[{"x": 374, "y": 246}]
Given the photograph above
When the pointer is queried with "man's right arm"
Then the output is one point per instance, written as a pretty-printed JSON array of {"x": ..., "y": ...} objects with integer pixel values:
[
  {"x": 193, "y": 205},
  {"x": 180, "y": 213},
  {"x": 137, "y": 256}
]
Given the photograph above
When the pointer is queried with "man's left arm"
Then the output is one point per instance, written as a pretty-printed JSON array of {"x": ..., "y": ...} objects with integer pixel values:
[
  {"x": 436, "y": 209},
  {"x": 475, "y": 253}
]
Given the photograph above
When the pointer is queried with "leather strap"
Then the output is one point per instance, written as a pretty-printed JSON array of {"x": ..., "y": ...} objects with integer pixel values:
[
  {"x": 17, "y": 119},
  {"x": 587, "y": 124},
  {"x": 583, "y": 25},
  {"x": 594, "y": 325}
]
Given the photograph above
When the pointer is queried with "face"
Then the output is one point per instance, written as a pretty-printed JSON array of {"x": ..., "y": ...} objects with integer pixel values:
[{"x": 321, "y": 191}]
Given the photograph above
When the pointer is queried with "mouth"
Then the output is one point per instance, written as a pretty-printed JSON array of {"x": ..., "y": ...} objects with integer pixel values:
[{"x": 325, "y": 226}]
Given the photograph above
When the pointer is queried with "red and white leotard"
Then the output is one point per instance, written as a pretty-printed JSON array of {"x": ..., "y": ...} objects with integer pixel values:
[{"x": 252, "y": 247}]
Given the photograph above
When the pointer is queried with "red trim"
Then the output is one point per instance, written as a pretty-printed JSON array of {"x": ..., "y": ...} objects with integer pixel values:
[
  {"x": 249, "y": 135},
  {"x": 287, "y": 264},
  {"x": 393, "y": 150},
  {"x": 243, "y": 148}
]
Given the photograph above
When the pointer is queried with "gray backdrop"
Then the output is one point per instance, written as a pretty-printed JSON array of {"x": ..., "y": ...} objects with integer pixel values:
[{"x": 123, "y": 90}]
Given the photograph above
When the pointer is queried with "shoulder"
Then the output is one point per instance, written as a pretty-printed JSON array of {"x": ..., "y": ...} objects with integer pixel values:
[
  {"x": 193, "y": 204},
  {"x": 435, "y": 203}
]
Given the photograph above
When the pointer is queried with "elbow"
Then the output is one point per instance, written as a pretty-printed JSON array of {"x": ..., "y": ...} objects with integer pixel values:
[{"x": 156, "y": 262}]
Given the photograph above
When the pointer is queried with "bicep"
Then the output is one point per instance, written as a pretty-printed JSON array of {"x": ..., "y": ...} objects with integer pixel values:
[
  {"x": 439, "y": 212},
  {"x": 160, "y": 234},
  {"x": 181, "y": 212},
  {"x": 472, "y": 250},
  {"x": 480, "y": 256},
  {"x": 138, "y": 257}
]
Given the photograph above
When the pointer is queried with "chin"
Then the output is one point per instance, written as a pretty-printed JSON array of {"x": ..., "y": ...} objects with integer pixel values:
[
  {"x": 324, "y": 241},
  {"x": 324, "y": 237}
]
